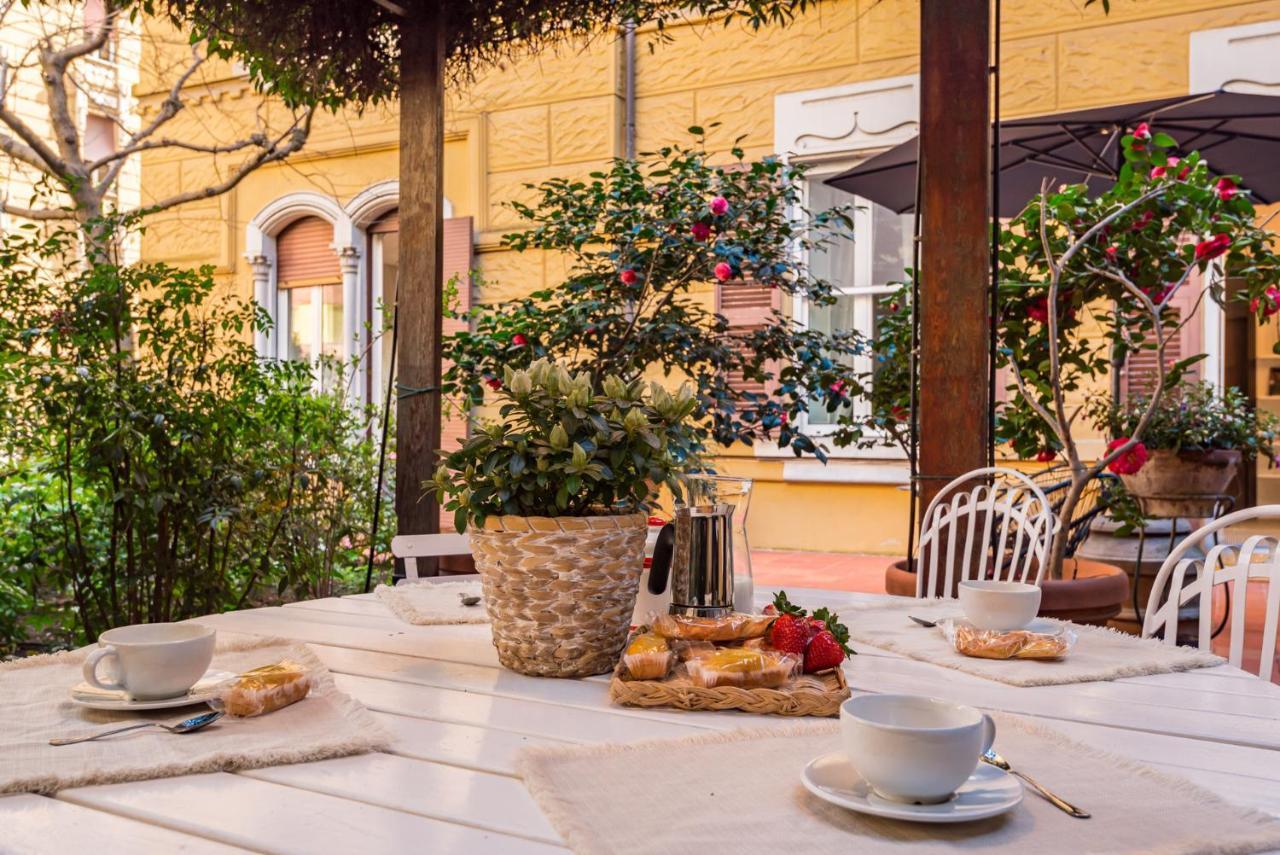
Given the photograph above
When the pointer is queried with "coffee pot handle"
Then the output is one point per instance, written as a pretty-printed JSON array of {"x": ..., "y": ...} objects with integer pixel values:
[{"x": 663, "y": 553}]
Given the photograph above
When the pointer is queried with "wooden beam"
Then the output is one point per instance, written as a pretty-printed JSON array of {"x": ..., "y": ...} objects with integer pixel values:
[
  {"x": 955, "y": 207},
  {"x": 421, "y": 275}
]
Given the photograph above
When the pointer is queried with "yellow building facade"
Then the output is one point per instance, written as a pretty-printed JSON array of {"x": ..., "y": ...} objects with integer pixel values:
[{"x": 837, "y": 86}]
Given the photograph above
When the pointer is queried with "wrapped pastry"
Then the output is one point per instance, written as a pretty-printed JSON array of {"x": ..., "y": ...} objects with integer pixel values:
[
  {"x": 686, "y": 650},
  {"x": 742, "y": 667},
  {"x": 1017, "y": 644},
  {"x": 265, "y": 689},
  {"x": 648, "y": 657},
  {"x": 737, "y": 626}
]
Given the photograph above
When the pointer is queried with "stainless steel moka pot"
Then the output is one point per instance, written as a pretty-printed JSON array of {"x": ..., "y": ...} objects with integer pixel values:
[{"x": 694, "y": 555}]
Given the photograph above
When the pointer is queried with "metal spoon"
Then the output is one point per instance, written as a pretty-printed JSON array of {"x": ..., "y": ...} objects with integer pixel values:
[
  {"x": 1061, "y": 804},
  {"x": 927, "y": 624},
  {"x": 187, "y": 726}
]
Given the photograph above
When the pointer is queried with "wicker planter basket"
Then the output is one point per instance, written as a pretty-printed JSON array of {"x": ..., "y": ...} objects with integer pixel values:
[
  {"x": 1182, "y": 483},
  {"x": 560, "y": 590}
]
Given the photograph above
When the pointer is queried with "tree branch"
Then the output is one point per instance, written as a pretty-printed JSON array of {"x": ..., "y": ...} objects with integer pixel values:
[
  {"x": 45, "y": 158},
  {"x": 38, "y": 213}
]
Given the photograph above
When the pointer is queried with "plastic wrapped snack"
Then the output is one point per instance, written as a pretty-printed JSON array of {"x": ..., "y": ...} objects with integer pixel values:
[
  {"x": 737, "y": 626},
  {"x": 1015, "y": 644},
  {"x": 686, "y": 650},
  {"x": 265, "y": 689},
  {"x": 648, "y": 657},
  {"x": 742, "y": 667}
]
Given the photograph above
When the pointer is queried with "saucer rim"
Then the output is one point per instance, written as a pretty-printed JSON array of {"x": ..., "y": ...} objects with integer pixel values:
[
  {"x": 132, "y": 705},
  {"x": 909, "y": 812}
]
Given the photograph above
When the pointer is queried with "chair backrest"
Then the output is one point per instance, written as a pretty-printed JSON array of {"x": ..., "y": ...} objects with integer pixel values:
[
  {"x": 411, "y": 547},
  {"x": 1256, "y": 558},
  {"x": 991, "y": 523},
  {"x": 1056, "y": 482}
]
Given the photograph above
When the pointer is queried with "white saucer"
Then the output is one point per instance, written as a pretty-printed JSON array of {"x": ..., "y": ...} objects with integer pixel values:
[
  {"x": 988, "y": 792},
  {"x": 101, "y": 699}
]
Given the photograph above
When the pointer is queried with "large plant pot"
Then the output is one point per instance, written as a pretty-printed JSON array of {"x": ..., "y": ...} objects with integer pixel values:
[
  {"x": 560, "y": 590},
  {"x": 1182, "y": 483}
]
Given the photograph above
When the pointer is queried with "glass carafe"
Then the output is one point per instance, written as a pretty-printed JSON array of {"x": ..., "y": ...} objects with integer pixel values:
[{"x": 735, "y": 493}]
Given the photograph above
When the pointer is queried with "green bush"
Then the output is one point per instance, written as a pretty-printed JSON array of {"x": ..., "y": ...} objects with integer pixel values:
[{"x": 160, "y": 469}]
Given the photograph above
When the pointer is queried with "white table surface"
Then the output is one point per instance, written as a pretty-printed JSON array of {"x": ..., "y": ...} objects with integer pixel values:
[{"x": 447, "y": 784}]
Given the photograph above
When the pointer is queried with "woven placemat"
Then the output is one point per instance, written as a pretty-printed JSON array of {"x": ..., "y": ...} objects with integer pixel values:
[
  {"x": 35, "y": 707},
  {"x": 434, "y": 603}
]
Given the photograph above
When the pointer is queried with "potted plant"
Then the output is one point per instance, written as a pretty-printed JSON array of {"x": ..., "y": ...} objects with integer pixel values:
[
  {"x": 1190, "y": 449},
  {"x": 555, "y": 494}
]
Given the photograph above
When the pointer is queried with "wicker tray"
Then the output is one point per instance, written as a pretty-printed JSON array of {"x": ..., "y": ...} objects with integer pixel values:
[{"x": 812, "y": 694}]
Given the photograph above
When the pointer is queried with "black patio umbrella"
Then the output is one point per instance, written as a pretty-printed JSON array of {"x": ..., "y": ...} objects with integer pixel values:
[{"x": 1237, "y": 134}]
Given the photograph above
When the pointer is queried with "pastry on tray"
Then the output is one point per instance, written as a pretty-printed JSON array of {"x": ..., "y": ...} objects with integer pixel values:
[
  {"x": 265, "y": 689},
  {"x": 742, "y": 667},
  {"x": 737, "y": 626},
  {"x": 1018, "y": 644},
  {"x": 648, "y": 657}
]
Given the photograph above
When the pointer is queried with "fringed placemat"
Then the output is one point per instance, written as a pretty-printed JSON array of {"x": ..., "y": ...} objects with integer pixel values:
[{"x": 427, "y": 603}]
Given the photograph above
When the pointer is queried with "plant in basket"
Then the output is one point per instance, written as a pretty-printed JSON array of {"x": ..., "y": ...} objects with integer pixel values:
[{"x": 555, "y": 493}]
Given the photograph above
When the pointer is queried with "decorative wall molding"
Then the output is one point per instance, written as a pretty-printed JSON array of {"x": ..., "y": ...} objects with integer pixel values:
[
  {"x": 874, "y": 114},
  {"x": 1239, "y": 59}
]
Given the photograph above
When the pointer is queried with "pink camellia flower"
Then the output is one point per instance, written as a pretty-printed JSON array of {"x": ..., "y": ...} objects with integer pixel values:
[
  {"x": 493, "y": 383},
  {"x": 1038, "y": 311},
  {"x": 1272, "y": 304},
  {"x": 700, "y": 231},
  {"x": 1112, "y": 251},
  {"x": 1143, "y": 220},
  {"x": 1046, "y": 455},
  {"x": 519, "y": 340},
  {"x": 1157, "y": 172},
  {"x": 1142, "y": 132},
  {"x": 900, "y": 412},
  {"x": 893, "y": 307},
  {"x": 628, "y": 276},
  {"x": 838, "y": 387},
  {"x": 782, "y": 419},
  {"x": 1131, "y": 461},
  {"x": 1213, "y": 247},
  {"x": 1226, "y": 189},
  {"x": 724, "y": 271},
  {"x": 719, "y": 205}
]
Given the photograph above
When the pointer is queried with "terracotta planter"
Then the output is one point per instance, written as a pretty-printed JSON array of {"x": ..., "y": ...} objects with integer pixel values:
[
  {"x": 1182, "y": 483},
  {"x": 1092, "y": 593},
  {"x": 560, "y": 590}
]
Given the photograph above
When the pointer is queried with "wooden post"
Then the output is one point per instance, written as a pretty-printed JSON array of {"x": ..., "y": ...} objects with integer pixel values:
[
  {"x": 421, "y": 276},
  {"x": 955, "y": 160}
]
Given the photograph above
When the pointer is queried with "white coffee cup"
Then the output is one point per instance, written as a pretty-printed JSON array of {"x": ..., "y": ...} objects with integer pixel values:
[
  {"x": 913, "y": 749},
  {"x": 153, "y": 660},
  {"x": 999, "y": 606}
]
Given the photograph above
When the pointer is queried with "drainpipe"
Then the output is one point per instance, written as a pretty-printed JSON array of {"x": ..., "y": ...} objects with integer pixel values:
[{"x": 629, "y": 89}]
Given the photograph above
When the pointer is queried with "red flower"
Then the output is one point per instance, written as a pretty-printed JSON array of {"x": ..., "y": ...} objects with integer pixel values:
[
  {"x": 700, "y": 231},
  {"x": 1112, "y": 251},
  {"x": 518, "y": 340},
  {"x": 493, "y": 383},
  {"x": 1038, "y": 311},
  {"x": 1144, "y": 220},
  {"x": 719, "y": 205},
  {"x": 893, "y": 307},
  {"x": 900, "y": 412},
  {"x": 724, "y": 271},
  {"x": 1142, "y": 131},
  {"x": 838, "y": 387},
  {"x": 782, "y": 419},
  {"x": 1272, "y": 304},
  {"x": 1226, "y": 189},
  {"x": 1046, "y": 455},
  {"x": 628, "y": 276},
  {"x": 1131, "y": 461},
  {"x": 1157, "y": 172},
  {"x": 1213, "y": 247}
]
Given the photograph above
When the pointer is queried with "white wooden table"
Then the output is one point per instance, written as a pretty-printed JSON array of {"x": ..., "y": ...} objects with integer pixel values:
[{"x": 448, "y": 784}]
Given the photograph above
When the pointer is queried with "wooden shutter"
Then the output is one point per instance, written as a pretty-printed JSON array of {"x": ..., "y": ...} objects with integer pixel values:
[
  {"x": 747, "y": 306},
  {"x": 1140, "y": 372},
  {"x": 305, "y": 256}
]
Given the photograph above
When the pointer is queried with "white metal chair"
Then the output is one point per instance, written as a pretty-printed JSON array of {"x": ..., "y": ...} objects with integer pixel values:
[
  {"x": 999, "y": 528},
  {"x": 411, "y": 547},
  {"x": 1257, "y": 558}
]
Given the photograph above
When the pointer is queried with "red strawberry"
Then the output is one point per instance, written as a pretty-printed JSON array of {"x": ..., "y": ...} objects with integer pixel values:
[
  {"x": 823, "y": 652},
  {"x": 789, "y": 634},
  {"x": 816, "y": 625}
]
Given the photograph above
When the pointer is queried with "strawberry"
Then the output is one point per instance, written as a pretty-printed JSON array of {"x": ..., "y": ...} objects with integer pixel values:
[
  {"x": 823, "y": 652},
  {"x": 789, "y": 634}
]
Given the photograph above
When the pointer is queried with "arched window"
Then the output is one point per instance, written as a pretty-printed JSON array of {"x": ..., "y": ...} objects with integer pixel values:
[{"x": 309, "y": 282}]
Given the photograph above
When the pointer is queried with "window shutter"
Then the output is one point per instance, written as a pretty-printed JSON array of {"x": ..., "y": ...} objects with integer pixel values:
[
  {"x": 304, "y": 255},
  {"x": 747, "y": 306},
  {"x": 1140, "y": 371},
  {"x": 457, "y": 262}
]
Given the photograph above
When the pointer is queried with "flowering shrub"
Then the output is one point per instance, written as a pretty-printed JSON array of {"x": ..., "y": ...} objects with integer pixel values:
[
  {"x": 563, "y": 449},
  {"x": 642, "y": 242}
]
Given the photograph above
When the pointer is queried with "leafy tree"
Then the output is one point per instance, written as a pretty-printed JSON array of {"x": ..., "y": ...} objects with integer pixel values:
[{"x": 644, "y": 241}]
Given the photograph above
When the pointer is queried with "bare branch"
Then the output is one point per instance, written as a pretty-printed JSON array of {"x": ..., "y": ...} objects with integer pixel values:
[
  {"x": 46, "y": 159},
  {"x": 1040, "y": 409},
  {"x": 37, "y": 213},
  {"x": 93, "y": 43},
  {"x": 172, "y": 104}
]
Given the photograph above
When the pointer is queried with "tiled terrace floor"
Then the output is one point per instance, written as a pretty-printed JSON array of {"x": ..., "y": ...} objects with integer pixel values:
[{"x": 775, "y": 570}]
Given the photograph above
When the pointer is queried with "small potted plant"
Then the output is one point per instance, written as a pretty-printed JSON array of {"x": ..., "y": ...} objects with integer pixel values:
[
  {"x": 555, "y": 494},
  {"x": 1191, "y": 446}
]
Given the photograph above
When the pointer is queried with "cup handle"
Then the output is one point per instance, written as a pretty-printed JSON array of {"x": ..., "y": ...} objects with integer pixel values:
[
  {"x": 91, "y": 669},
  {"x": 988, "y": 733}
]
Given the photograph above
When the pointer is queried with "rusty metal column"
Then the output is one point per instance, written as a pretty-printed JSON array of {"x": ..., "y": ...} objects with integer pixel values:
[
  {"x": 421, "y": 278},
  {"x": 955, "y": 154}
]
